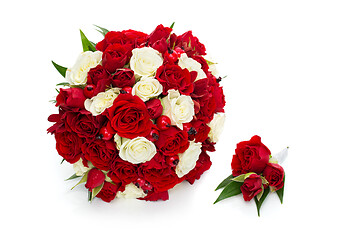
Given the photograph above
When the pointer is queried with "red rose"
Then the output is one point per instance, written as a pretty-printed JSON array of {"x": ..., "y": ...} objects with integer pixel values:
[
  {"x": 108, "y": 192},
  {"x": 123, "y": 78},
  {"x": 190, "y": 44},
  {"x": 202, "y": 61},
  {"x": 251, "y": 187},
  {"x": 174, "y": 77},
  {"x": 155, "y": 196},
  {"x": 100, "y": 78},
  {"x": 95, "y": 178},
  {"x": 131, "y": 37},
  {"x": 172, "y": 141},
  {"x": 202, "y": 130},
  {"x": 202, "y": 165},
  {"x": 99, "y": 152},
  {"x": 84, "y": 123},
  {"x": 129, "y": 116},
  {"x": 274, "y": 174},
  {"x": 250, "y": 156},
  {"x": 122, "y": 172},
  {"x": 116, "y": 56},
  {"x": 154, "y": 108},
  {"x": 159, "y": 33},
  {"x": 59, "y": 124},
  {"x": 68, "y": 145},
  {"x": 207, "y": 110},
  {"x": 70, "y": 97}
]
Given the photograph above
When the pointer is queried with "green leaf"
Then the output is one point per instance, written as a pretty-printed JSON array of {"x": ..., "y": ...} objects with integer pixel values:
[
  {"x": 232, "y": 189},
  {"x": 95, "y": 191},
  {"x": 86, "y": 44},
  {"x": 82, "y": 180},
  {"x": 72, "y": 177},
  {"x": 261, "y": 200},
  {"x": 172, "y": 25},
  {"x": 225, "y": 182},
  {"x": 63, "y": 84},
  {"x": 101, "y": 30},
  {"x": 61, "y": 69},
  {"x": 63, "y": 158},
  {"x": 280, "y": 192}
]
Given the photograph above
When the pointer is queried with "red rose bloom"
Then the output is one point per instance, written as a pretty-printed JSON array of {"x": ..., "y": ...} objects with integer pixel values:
[
  {"x": 123, "y": 78},
  {"x": 122, "y": 172},
  {"x": 202, "y": 130},
  {"x": 100, "y": 153},
  {"x": 70, "y": 97},
  {"x": 250, "y": 156},
  {"x": 68, "y": 145},
  {"x": 251, "y": 187},
  {"x": 116, "y": 56},
  {"x": 129, "y": 116},
  {"x": 172, "y": 141},
  {"x": 108, "y": 192},
  {"x": 202, "y": 165},
  {"x": 154, "y": 108},
  {"x": 159, "y": 33},
  {"x": 190, "y": 44},
  {"x": 95, "y": 178},
  {"x": 274, "y": 174},
  {"x": 174, "y": 77},
  {"x": 131, "y": 37},
  {"x": 100, "y": 78}
]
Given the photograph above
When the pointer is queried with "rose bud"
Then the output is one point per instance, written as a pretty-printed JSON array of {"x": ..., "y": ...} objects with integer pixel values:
[
  {"x": 274, "y": 174},
  {"x": 154, "y": 108},
  {"x": 70, "y": 97},
  {"x": 94, "y": 179},
  {"x": 251, "y": 187}
]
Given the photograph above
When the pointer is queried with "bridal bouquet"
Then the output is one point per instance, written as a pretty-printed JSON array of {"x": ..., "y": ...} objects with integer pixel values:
[{"x": 138, "y": 113}]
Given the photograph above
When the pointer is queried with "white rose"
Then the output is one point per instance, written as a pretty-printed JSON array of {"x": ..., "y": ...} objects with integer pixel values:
[
  {"x": 179, "y": 108},
  {"x": 79, "y": 168},
  {"x": 131, "y": 192},
  {"x": 97, "y": 104},
  {"x": 212, "y": 66},
  {"x": 187, "y": 159},
  {"x": 216, "y": 127},
  {"x": 77, "y": 75},
  {"x": 145, "y": 61},
  {"x": 137, "y": 150},
  {"x": 118, "y": 141},
  {"x": 191, "y": 65},
  {"x": 147, "y": 88}
]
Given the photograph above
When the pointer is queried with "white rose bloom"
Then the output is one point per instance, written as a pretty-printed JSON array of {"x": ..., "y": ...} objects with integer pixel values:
[
  {"x": 147, "y": 88},
  {"x": 77, "y": 75},
  {"x": 131, "y": 192},
  {"x": 179, "y": 108},
  {"x": 137, "y": 150},
  {"x": 97, "y": 104},
  {"x": 79, "y": 168},
  {"x": 191, "y": 65},
  {"x": 145, "y": 61},
  {"x": 216, "y": 127},
  {"x": 187, "y": 159}
]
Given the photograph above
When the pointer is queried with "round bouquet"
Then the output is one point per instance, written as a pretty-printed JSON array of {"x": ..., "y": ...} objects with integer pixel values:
[{"x": 138, "y": 113}]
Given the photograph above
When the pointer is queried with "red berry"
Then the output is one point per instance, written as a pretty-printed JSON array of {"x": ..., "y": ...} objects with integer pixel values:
[
  {"x": 172, "y": 160},
  {"x": 179, "y": 51},
  {"x": 163, "y": 122},
  {"x": 105, "y": 134},
  {"x": 89, "y": 91},
  {"x": 153, "y": 135},
  {"x": 126, "y": 90},
  {"x": 187, "y": 126},
  {"x": 171, "y": 55}
]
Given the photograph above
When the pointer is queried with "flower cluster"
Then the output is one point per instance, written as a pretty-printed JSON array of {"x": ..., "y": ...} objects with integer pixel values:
[
  {"x": 138, "y": 113},
  {"x": 254, "y": 173}
]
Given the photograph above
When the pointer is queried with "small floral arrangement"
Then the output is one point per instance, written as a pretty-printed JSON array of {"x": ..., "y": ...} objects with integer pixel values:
[
  {"x": 138, "y": 113},
  {"x": 255, "y": 173}
]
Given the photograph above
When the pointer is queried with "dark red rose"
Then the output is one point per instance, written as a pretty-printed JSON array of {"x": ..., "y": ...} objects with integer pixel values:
[
  {"x": 154, "y": 108},
  {"x": 100, "y": 78},
  {"x": 129, "y": 116},
  {"x": 172, "y": 141},
  {"x": 108, "y": 192},
  {"x": 190, "y": 44},
  {"x": 70, "y": 97},
  {"x": 202, "y": 165},
  {"x": 174, "y": 77},
  {"x": 68, "y": 145},
  {"x": 251, "y": 187},
  {"x": 122, "y": 172},
  {"x": 131, "y": 37},
  {"x": 159, "y": 33},
  {"x": 202, "y": 130},
  {"x": 250, "y": 156},
  {"x": 219, "y": 99},
  {"x": 95, "y": 178},
  {"x": 116, "y": 56},
  {"x": 100, "y": 153},
  {"x": 274, "y": 174},
  {"x": 155, "y": 196},
  {"x": 208, "y": 146},
  {"x": 123, "y": 78},
  {"x": 59, "y": 123},
  {"x": 84, "y": 123},
  {"x": 207, "y": 110}
]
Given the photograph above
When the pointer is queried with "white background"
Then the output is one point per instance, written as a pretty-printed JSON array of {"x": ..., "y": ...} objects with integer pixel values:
[{"x": 292, "y": 77}]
